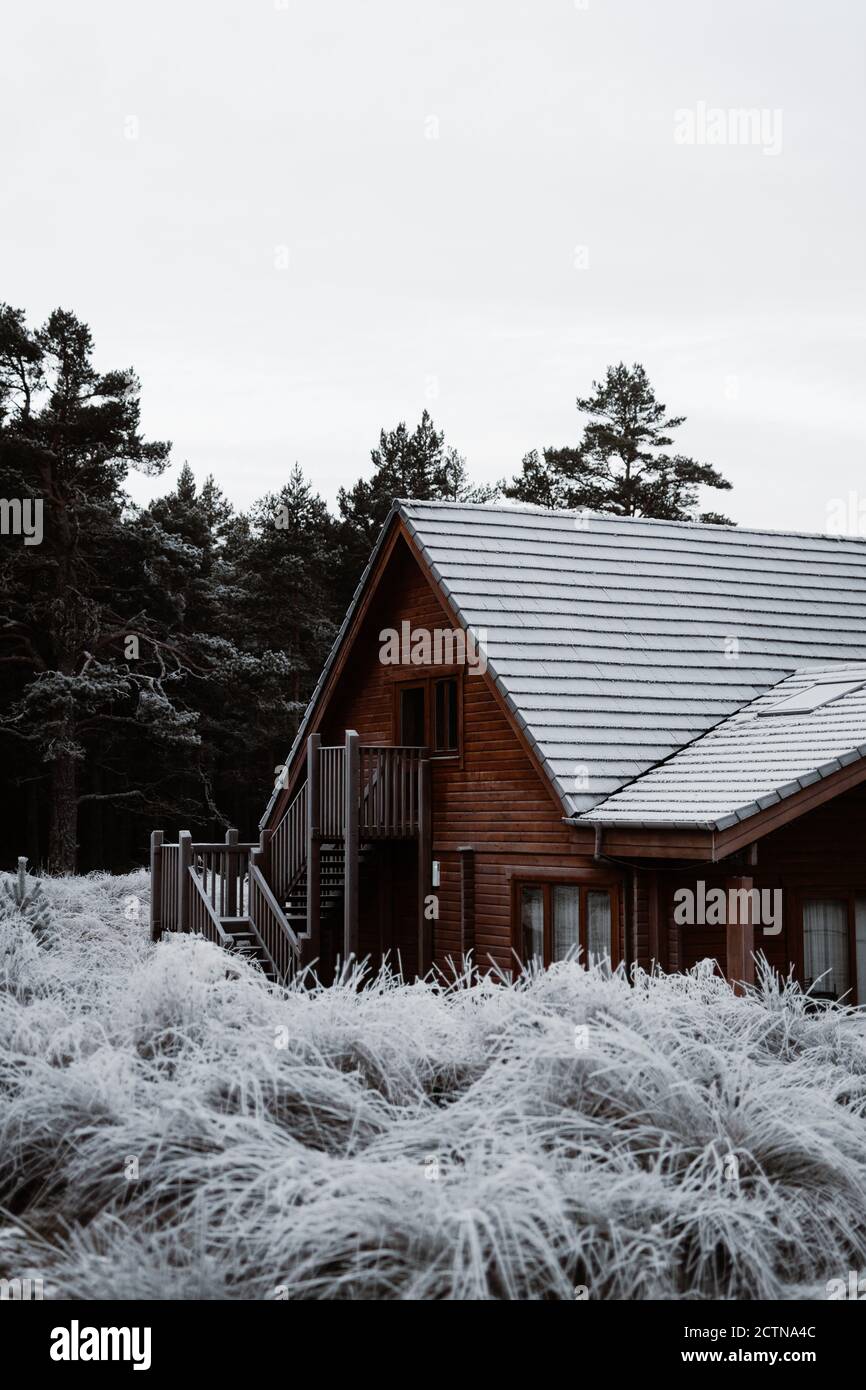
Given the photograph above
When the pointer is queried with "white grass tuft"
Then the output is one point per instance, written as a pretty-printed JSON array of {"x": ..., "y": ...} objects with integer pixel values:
[{"x": 438, "y": 1140}]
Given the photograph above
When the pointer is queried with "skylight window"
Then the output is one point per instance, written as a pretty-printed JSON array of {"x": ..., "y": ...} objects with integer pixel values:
[{"x": 813, "y": 697}]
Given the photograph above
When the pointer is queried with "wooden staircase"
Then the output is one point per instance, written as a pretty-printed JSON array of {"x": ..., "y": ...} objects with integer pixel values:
[
  {"x": 270, "y": 901},
  {"x": 332, "y": 882},
  {"x": 246, "y": 942}
]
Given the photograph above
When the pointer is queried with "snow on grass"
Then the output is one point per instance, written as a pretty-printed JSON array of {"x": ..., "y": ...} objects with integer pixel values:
[{"x": 173, "y": 1127}]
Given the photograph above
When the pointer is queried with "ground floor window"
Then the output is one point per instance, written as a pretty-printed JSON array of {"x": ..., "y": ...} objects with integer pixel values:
[
  {"x": 834, "y": 946},
  {"x": 555, "y": 918}
]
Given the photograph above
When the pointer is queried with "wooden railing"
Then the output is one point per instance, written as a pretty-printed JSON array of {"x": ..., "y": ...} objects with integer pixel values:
[
  {"x": 353, "y": 792},
  {"x": 287, "y": 846},
  {"x": 332, "y": 770},
  {"x": 223, "y": 869},
  {"x": 164, "y": 887},
  {"x": 222, "y": 874},
  {"x": 275, "y": 933},
  {"x": 202, "y": 917},
  {"x": 390, "y": 791}
]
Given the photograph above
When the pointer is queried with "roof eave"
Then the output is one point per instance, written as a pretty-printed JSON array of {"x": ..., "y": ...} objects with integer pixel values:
[
  {"x": 396, "y": 510},
  {"x": 619, "y": 823}
]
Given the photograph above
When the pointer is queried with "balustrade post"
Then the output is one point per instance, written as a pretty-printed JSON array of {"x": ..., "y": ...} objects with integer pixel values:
[
  {"x": 156, "y": 866},
  {"x": 352, "y": 787},
  {"x": 184, "y": 862},
  {"x": 262, "y": 855},
  {"x": 314, "y": 841},
  {"x": 467, "y": 900},
  {"x": 230, "y": 873},
  {"x": 425, "y": 868}
]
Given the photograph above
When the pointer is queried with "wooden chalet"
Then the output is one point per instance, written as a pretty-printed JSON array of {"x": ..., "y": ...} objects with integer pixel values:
[{"x": 540, "y": 731}]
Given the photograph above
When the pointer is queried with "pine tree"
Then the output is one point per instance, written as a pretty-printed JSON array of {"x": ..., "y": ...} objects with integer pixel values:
[
  {"x": 415, "y": 465},
  {"x": 622, "y": 463},
  {"x": 281, "y": 615},
  {"x": 458, "y": 487},
  {"x": 93, "y": 675}
]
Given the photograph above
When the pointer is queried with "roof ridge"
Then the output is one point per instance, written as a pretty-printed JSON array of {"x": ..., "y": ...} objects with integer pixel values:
[{"x": 531, "y": 509}]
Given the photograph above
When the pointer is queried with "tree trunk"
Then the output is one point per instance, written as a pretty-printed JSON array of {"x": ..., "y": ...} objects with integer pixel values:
[
  {"x": 34, "y": 848},
  {"x": 64, "y": 817},
  {"x": 94, "y": 842}
]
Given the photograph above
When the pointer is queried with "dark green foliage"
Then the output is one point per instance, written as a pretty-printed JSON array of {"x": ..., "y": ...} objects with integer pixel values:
[
  {"x": 155, "y": 663},
  {"x": 26, "y": 905},
  {"x": 622, "y": 464},
  {"x": 416, "y": 465}
]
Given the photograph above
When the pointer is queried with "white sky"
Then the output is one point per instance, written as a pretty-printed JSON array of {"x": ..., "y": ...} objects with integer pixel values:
[{"x": 442, "y": 271}]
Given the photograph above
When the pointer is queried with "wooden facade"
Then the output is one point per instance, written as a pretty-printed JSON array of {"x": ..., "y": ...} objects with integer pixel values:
[{"x": 442, "y": 851}]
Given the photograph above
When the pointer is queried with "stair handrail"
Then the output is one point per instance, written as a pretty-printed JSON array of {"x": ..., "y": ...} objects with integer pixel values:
[
  {"x": 287, "y": 845},
  {"x": 203, "y": 918},
  {"x": 273, "y": 929}
]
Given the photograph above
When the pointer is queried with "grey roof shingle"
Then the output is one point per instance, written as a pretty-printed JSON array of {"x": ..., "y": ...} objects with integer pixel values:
[
  {"x": 620, "y": 640},
  {"x": 750, "y": 761},
  {"x": 610, "y": 638}
]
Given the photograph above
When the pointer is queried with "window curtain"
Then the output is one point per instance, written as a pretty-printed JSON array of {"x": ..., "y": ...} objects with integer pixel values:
[
  {"x": 532, "y": 923},
  {"x": 566, "y": 920},
  {"x": 598, "y": 926},
  {"x": 825, "y": 946}
]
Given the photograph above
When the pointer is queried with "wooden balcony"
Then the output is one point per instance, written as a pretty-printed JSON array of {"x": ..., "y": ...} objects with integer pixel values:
[{"x": 353, "y": 794}]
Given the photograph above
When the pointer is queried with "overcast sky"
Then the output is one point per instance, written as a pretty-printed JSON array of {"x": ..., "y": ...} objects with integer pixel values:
[{"x": 303, "y": 221}]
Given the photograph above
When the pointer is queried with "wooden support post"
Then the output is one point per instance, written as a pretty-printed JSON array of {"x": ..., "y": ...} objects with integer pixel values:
[
  {"x": 740, "y": 933},
  {"x": 653, "y": 931},
  {"x": 231, "y": 872},
  {"x": 467, "y": 899},
  {"x": 156, "y": 837},
  {"x": 351, "y": 809},
  {"x": 184, "y": 861},
  {"x": 314, "y": 841},
  {"x": 425, "y": 869},
  {"x": 263, "y": 861},
  {"x": 386, "y": 898}
]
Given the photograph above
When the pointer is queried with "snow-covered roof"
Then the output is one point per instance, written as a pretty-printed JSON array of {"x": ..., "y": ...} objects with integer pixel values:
[
  {"x": 618, "y": 640},
  {"x": 754, "y": 759}
]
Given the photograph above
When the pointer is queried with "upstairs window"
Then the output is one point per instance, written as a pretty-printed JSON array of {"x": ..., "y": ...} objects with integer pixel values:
[
  {"x": 428, "y": 714},
  {"x": 445, "y": 716},
  {"x": 413, "y": 716}
]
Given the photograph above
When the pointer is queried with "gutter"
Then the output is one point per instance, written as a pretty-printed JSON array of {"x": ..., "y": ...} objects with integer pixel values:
[{"x": 600, "y": 824}]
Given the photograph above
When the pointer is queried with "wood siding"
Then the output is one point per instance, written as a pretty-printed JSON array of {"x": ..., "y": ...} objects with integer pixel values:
[
  {"x": 822, "y": 851},
  {"x": 491, "y": 798}
]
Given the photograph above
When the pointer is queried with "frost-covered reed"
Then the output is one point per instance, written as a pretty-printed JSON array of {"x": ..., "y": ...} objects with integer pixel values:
[{"x": 173, "y": 1127}]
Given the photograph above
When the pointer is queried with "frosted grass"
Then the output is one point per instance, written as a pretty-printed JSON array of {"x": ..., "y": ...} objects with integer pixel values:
[{"x": 171, "y": 1126}]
